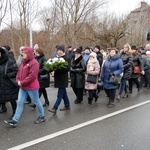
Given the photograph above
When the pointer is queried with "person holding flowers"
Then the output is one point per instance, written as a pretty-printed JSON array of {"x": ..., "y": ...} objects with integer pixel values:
[{"x": 60, "y": 66}]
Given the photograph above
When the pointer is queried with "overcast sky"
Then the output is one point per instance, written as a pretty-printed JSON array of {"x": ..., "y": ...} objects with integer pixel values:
[{"x": 118, "y": 6}]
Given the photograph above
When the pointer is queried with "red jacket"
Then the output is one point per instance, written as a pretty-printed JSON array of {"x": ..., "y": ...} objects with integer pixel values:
[{"x": 28, "y": 71}]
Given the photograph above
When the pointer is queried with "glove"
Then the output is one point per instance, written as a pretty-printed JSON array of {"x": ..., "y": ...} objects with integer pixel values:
[
  {"x": 5, "y": 76},
  {"x": 72, "y": 70},
  {"x": 111, "y": 74}
]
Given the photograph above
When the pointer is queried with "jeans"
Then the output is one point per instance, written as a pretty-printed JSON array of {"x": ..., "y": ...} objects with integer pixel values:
[
  {"x": 61, "y": 94},
  {"x": 22, "y": 96},
  {"x": 123, "y": 86}
]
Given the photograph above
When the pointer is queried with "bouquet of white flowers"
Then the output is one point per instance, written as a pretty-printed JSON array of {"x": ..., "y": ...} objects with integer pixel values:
[{"x": 55, "y": 63}]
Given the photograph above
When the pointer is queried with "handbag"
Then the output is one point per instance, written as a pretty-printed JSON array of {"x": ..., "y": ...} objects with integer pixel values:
[
  {"x": 91, "y": 78},
  {"x": 115, "y": 80},
  {"x": 137, "y": 70},
  {"x": 44, "y": 77}
]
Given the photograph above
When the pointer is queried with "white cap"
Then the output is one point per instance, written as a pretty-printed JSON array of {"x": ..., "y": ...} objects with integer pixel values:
[
  {"x": 35, "y": 46},
  {"x": 93, "y": 54}
]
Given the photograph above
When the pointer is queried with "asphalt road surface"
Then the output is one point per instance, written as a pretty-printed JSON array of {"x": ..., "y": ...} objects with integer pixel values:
[{"x": 83, "y": 127}]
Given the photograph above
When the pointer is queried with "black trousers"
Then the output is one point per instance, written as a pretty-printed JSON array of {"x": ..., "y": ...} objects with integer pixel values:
[
  {"x": 44, "y": 92},
  {"x": 92, "y": 94},
  {"x": 136, "y": 81},
  {"x": 13, "y": 105},
  {"x": 79, "y": 93},
  {"x": 111, "y": 94}
]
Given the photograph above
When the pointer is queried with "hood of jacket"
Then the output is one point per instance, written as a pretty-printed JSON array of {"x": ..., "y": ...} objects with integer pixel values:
[{"x": 29, "y": 51}]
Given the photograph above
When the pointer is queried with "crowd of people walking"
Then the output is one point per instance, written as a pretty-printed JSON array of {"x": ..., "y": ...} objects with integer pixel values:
[{"x": 89, "y": 70}]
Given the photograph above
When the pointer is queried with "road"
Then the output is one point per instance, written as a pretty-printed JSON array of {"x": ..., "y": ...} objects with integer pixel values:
[{"x": 84, "y": 127}]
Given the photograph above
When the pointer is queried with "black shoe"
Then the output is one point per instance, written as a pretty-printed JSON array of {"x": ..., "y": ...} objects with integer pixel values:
[
  {"x": 130, "y": 91},
  {"x": 77, "y": 102},
  {"x": 46, "y": 104},
  {"x": 2, "y": 110},
  {"x": 40, "y": 120},
  {"x": 11, "y": 122},
  {"x": 33, "y": 106}
]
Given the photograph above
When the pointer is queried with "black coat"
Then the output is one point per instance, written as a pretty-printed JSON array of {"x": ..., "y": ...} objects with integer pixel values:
[
  {"x": 78, "y": 68},
  {"x": 8, "y": 92},
  {"x": 43, "y": 75},
  {"x": 137, "y": 61},
  {"x": 61, "y": 76},
  {"x": 127, "y": 60}
]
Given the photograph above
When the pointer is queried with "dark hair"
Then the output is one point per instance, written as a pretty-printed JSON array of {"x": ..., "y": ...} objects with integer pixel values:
[{"x": 40, "y": 51}]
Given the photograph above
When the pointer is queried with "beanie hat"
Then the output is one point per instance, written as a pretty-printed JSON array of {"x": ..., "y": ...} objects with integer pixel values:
[
  {"x": 36, "y": 46},
  {"x": 134, "y": 47},
  {"x": 7, "y": 47},
  {"x": 93, "y": 54},
  {"x": 78, "y": 50},
  {"x": 147, "y": 52},
  {"x": 98, "y": 47},
  {"x": 60, "y": 47},
  {"x": 21, "y": 48},
  {"x": 87, "y": 47}
]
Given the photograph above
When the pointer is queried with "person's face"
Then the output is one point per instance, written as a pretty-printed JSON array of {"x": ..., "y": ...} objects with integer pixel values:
[
  {"x": 59, "y": 52},
  {"x": 77, "y": 55},
  {"x": 112, "y": 53},
  {"x": 87, "y": 51},
  {"x": 96, "y": 49},
  {"x": 125, "y": 48},
  {"x": 91, "y": 57},
  {"x": 133, "y": 50},
  {"x": 36, "y": 53},
  {"x": 24, "y": 54},
  {"x": 69, "y": 49}
]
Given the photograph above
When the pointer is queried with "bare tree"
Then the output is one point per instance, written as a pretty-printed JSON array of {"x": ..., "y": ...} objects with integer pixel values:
[
  {"x": 3, "y": 10},
  {"x": 71, "y": 16},
  {"x": 111, "y": 30}
]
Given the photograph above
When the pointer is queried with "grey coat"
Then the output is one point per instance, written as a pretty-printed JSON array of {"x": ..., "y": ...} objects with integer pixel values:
[{"x": 127, "y": 60}]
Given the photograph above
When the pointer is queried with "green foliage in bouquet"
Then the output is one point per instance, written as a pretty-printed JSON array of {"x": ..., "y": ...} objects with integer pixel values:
[{"x": 55, "y": 63}]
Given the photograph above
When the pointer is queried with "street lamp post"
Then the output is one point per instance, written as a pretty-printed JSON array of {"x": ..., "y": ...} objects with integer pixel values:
[{"x": 30, "y": 24}]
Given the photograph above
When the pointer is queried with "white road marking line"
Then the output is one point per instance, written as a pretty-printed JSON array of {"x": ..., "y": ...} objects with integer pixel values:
[{"x": 53, "y": 135}]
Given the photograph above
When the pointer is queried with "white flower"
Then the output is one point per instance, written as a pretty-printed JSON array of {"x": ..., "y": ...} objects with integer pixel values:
[
  {"x": 61, "y": 59},
  {"x": 49, "y": 61},
  {"x": 55, "y": 59}
]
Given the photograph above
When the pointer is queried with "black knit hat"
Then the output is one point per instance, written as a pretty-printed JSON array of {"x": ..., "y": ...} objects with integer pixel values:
[
  {"x": 7, "y": 47},
  {"x": 78, "y": 50},
  {"x": 87, "y": 47},
  {"x": 134, "y": 47},
  {"x": 97, "y": 46},
  {"x": 61, "y": 47}
]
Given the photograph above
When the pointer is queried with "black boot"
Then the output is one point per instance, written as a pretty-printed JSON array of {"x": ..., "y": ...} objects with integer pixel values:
[
  {"x": 46, "y": 103},
  {"x": 96, "y": 98},
  {"x": 33, "y": 105},
  {"x": 12, "y": 114},
  {"x": 90, "y": 101},
  {"x": 3, "y": 108}
]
